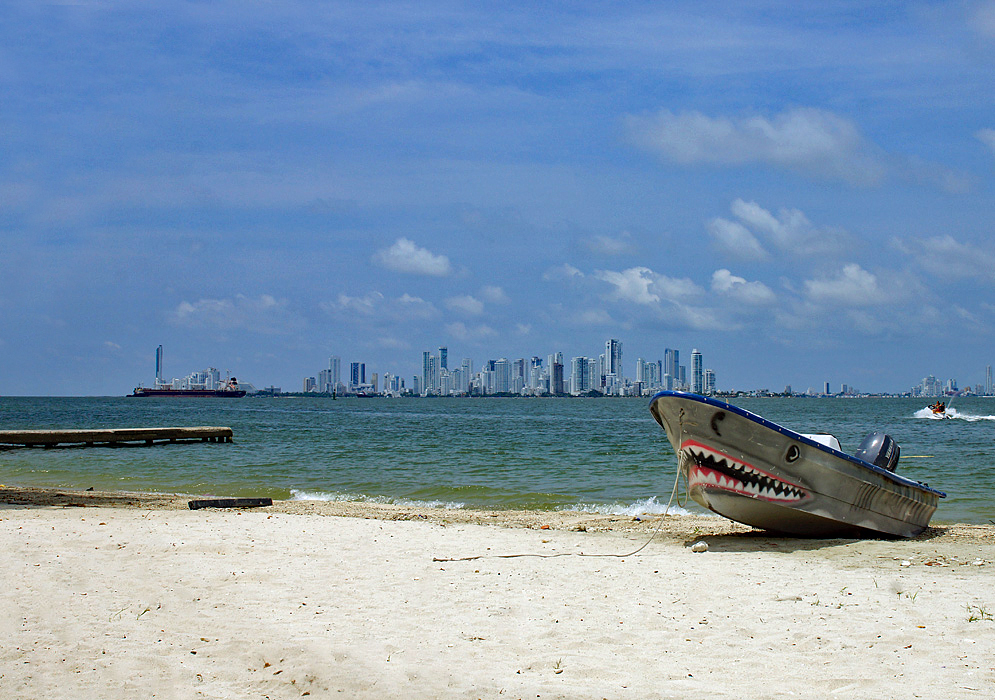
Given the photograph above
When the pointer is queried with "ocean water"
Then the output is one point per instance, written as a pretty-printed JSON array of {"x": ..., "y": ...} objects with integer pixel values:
[{"x": 601, "y": 455}]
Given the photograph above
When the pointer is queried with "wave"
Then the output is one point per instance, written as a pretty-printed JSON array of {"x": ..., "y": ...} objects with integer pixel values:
[
  {"x": 648, "y": 506},
  {"x": 951, "y": 413},
  {"x": 299, "y": 495}
]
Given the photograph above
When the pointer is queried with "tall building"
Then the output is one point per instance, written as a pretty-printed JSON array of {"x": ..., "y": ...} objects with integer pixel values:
[
  {"x": 444, "y": 358},
  {"x": 335, "y": 368},
  {"x": 709, "y": 382},
  {"x": 671, "y": 364},
  {"x": 697, "y": 373},
  {"x": 502, "y": 376},
  {"x": 988, "y": 381},
  {"x": 580, "y": 375},
  {"x": 158, "y": 365},
  {"x": 357, "y": 374},
  {"x": 613, "y": 358}
]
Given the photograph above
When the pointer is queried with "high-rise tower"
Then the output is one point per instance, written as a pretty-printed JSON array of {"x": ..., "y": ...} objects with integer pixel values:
[
  {"x": 158, "y": 366},
  {"x": 697, "y": 373}
]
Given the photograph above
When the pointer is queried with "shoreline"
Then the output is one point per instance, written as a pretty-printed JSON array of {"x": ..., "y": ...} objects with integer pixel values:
[
  {"x": 122, "y": 595},
  {"x": 673, "y": 526}
]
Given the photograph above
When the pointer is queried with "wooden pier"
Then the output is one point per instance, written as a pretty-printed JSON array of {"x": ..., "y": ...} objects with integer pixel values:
[{"x": 112, "y": 437}]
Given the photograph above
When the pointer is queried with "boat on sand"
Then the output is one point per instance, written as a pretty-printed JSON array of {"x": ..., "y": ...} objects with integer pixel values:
[{"x": 756, "y": 472}]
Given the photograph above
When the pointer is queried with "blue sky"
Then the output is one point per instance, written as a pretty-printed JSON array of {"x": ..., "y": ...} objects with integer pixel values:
[{"x": 802, "y": 191}]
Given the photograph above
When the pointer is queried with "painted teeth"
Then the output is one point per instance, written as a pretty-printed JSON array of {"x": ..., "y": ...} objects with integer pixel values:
[{"x": 722, "y": 472}]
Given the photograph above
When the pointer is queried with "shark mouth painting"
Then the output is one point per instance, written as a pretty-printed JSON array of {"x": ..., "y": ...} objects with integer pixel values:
[{"x": 711, "y": 469}]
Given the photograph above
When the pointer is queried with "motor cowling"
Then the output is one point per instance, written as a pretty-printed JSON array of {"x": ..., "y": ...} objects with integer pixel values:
[{"x": 880, "y": 450}]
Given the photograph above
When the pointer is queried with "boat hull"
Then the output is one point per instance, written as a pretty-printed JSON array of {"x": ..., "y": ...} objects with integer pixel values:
[
  {"x": 180, "y": 393},
  {"x": 750, "y": 470}
]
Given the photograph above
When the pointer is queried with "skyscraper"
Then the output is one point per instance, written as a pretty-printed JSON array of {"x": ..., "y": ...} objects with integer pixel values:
[
  {"x": 444, "y": 358},
  {"x": 671, "y": 364},
  {"x": 335, "y": 366},
  {"x": 613, "y": 358},
  {"x": 580, "y": 375},
  {"x": 158, "y": 365},
  {"x": 357, "y": 374},
  {"x": 502, "y": 376},
  {"x": 697, "y": 373}
]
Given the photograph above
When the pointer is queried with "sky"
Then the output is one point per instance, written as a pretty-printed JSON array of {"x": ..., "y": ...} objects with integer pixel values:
[{"x": 803, "y": 191}]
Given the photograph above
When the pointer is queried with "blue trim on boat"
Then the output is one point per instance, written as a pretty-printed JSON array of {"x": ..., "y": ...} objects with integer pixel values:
[{"x": 898, "y": 478}]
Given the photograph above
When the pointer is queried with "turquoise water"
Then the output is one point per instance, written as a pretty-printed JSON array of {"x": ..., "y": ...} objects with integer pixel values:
[{"x": 604, "y": 455}]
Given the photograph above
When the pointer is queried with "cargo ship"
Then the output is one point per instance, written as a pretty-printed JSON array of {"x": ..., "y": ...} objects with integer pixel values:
[{"x": 227, "y": 389}]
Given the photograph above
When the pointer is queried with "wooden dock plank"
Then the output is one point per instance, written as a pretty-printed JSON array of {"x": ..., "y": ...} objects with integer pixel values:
[{"x": 112, "y": 436}]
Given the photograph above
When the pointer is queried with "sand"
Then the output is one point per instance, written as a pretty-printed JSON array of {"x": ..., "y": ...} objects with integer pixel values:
[{"x": 132, "y": 596}]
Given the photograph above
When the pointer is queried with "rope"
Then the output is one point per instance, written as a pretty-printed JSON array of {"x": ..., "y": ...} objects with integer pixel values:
[{"x": 655, "y": 532}]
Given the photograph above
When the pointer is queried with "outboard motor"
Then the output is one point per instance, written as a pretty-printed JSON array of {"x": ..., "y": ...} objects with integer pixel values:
[{"x": 880, "y": 450}]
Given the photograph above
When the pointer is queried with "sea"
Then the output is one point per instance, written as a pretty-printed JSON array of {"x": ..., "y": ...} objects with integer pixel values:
[{"x": 602, "y": 455}]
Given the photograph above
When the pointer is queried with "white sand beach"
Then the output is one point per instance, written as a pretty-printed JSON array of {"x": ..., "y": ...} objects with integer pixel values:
[{"x": 125, "y": 596}]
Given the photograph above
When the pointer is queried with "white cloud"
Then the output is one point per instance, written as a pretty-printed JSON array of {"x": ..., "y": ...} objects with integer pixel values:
[
  {"x": 365, "y": 305},
  {"x": 946, "y": 257},
  {"x": 752, "y": 293},
  {"x": 376, "y": 305},
  {"x": 802, "y": 139},
  {"x": 262, "y": 314},
  {"x": 630, "y": 285},
  {"x": 735, "y": 239},
  {"x": 987, "y": 137},
  {"x": 593, "y": 317},
  {"x": 405, "y": 256},
  {"x": 494, "y": 294},
  {"x": 465, "y": 304},
  {"x": 606, "y": 245},
  {"x": 854, "y": 286},
  {"x": 461, "y": 331},
  {"x": 562, "y": 273},
  {"x": 788, "y": 231},
  {"x": 983, "y": 20}
]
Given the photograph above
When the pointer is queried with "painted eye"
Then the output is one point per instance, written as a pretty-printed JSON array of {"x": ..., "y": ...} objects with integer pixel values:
[
  {"x": 716, "y": 419},
  {"x": 793, "y": 454}
]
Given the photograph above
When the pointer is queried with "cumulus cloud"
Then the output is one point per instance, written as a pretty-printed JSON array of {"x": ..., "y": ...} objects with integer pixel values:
[
  {"x": 854, "y": 286},
  {"x": 944, "y": 256},
  {"x": 643, "y": 286},
  {"x": 630, "y": 285},
  {"x": 607, "y": 245},
  {"x": 376, "y": 305},
  {"x": 812, "y": 141},
  {"x": 592, "y": 317},
  {"x": 987, "y": 137},
  {"x": 983, "y": 20},
  {"x": 465, "y": 333},
  {"x": 465, "y": 304},
  {"x": 733, "y": 238},
  {"x": 751, "y": 293},
  {"x": 561, "y": 273},
  {"x": 405, "y": 256},
  {"x": 494, "y": 294},
  {"x": 262, "y": 314},
  {"x": 788, "y": 231}
]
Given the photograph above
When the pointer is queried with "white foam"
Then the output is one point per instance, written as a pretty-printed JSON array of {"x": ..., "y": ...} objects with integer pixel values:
[
  {"x": 950, "y": 413},
  {"x": 650, "y": 506},
  {"x": 299, "y": 495}
]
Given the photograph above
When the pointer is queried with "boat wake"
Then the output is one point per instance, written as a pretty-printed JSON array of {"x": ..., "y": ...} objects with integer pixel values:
[{"x": 951, "y": 413}]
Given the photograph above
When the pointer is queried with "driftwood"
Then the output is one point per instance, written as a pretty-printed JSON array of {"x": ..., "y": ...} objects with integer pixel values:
[{"x": 230, "y": 503}]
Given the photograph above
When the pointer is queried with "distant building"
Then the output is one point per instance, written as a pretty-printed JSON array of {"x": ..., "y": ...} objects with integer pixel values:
[{"x": 697, "y": 372}]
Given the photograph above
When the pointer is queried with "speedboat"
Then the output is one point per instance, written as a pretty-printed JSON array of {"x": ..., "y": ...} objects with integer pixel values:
[{"x": 756, "y": 472}]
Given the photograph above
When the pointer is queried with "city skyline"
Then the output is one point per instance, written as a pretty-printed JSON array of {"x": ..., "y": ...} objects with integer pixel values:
[{"x": 801, "y": 190}]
